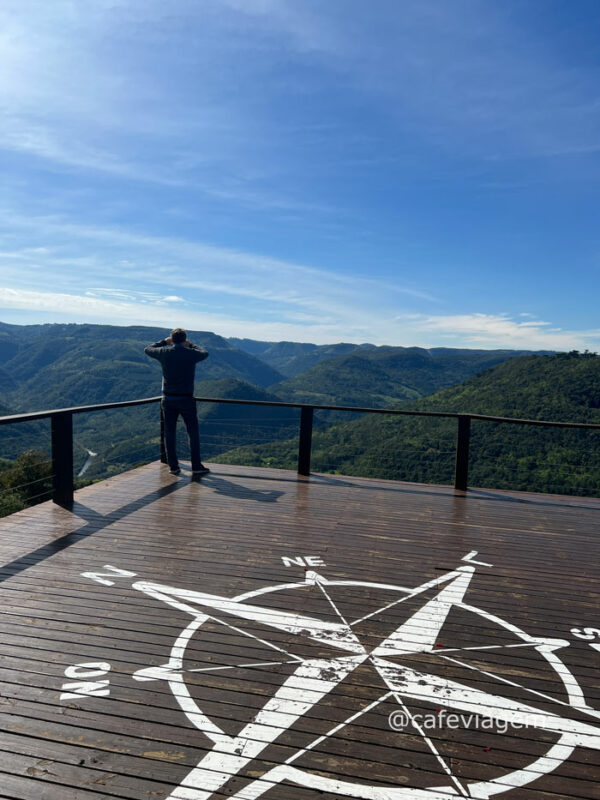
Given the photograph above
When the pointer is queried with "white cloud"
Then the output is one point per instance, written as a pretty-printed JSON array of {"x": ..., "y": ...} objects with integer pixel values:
[
  {"x": 128, "y": 277},
  {"x": 485, "y": 331},
  {"x": 134, "y": 296},
  {"x": 65, "y": 307},
  {"x": 195, "y": 272},
  {"x": 501, "y": 331},
  {"x": 62, "y": 303},
  {"x": 196, "y": 98}
]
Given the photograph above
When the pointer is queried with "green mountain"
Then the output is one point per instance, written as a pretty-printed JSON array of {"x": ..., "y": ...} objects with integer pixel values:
[
  {"x": 562, "y": 387},
  {"x": 56, "y": 366},
  {"x": 292, "y": 358},
  {"x": 381, "y": 377},
  {"x": 18, "y": 438},
  {"x": 52, "y": 366},
  {"x": 253, "y": 346}
]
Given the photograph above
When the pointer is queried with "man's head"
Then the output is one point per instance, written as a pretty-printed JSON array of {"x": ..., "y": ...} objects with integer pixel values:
[{"x": 178, "y": 335}]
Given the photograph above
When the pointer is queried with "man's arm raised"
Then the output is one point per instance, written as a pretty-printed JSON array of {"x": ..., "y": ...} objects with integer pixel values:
[
  {"x": 200, "y": 352},
  {"x": 155, "y": 350}
]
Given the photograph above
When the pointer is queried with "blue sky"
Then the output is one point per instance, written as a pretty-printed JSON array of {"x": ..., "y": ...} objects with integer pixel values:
[{"x": 404, "y": 172}]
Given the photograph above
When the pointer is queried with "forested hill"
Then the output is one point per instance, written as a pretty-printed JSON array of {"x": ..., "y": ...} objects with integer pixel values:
[
  {"x": 46, "y": 366},
  {"x": 49, "y": 366},
  {"x": 562, "y": 388},
  {"x": 385, "y": 362},
  {"x": 53, "y": 366},
  {"x": 292, "y": 358},
  {"x": 381, "y": 377}
]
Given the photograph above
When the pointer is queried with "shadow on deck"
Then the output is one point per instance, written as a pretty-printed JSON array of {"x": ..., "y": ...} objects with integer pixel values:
[{"x": 127, "y": 670}]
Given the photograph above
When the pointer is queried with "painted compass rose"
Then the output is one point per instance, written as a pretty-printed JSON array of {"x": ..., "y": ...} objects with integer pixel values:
[{"x": 563, "y": 722}]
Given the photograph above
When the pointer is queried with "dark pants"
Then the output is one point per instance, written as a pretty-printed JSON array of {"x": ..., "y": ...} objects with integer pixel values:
[{"x": 172, "y": 407}]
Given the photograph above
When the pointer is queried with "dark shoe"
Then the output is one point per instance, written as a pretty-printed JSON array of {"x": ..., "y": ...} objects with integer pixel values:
[
  {"x": 202, "y": 470},
  {"x": 175, "y": 471}
]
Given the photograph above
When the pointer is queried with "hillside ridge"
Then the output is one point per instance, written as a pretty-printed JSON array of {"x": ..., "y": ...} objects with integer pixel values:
[{"x": 561, "y": 388}]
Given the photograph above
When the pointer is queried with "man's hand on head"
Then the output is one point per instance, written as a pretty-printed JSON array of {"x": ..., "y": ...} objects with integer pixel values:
[{"x": 168, "y": 340}]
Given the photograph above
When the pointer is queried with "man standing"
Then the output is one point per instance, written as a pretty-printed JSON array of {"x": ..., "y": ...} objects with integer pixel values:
[{"x": 178, "y": 358}]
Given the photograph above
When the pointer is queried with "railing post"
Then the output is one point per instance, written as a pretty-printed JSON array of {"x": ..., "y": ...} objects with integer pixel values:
[
  {"x": 163, "y": 449},
  {"x": 461, "y": 473},
  {"x": 62, "y": 458},
  {"x": 305, "y": 440}
]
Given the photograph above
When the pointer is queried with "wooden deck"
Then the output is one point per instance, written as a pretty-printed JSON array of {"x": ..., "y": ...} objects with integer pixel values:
[{"x": 250, "y": 635}]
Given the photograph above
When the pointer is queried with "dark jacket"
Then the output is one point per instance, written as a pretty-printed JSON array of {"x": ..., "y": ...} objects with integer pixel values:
[{"x": 178, "y": 363}]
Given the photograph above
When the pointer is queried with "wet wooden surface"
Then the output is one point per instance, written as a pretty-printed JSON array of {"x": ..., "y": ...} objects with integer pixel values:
[{"x": 230, "y": 534}]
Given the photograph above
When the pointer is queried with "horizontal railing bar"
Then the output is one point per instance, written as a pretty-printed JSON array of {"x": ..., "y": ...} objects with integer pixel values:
[
  {"x": 278, "y": 404},
  {"x": 35, "y": 415},
  {"x": 544, "y": 423},
  {"x": 400, "y": 412}
]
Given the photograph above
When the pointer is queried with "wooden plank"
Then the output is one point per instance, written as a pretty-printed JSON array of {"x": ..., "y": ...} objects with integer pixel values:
[{"x": 389, "y": 551}]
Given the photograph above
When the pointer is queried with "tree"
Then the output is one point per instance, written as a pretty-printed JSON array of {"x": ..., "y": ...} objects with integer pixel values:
[{"x": 25, "y": 481}]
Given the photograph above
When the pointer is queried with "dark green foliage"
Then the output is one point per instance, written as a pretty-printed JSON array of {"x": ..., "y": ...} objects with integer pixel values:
[
  {"x": 24, "y": 482},
  {"x": 47, "y": 366},
  {"x": 62, "y": 365},
  {"x": 380, "y": 377},
  {"x": 555, "y": 388},
  {"x": 19, "y": 437},
  {"x": 292, "y": 358}
]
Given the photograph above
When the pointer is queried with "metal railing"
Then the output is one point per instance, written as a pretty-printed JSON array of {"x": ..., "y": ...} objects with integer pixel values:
[
  {"x": 61, "y": 441},
  {"x": 61, "y": 421}
]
